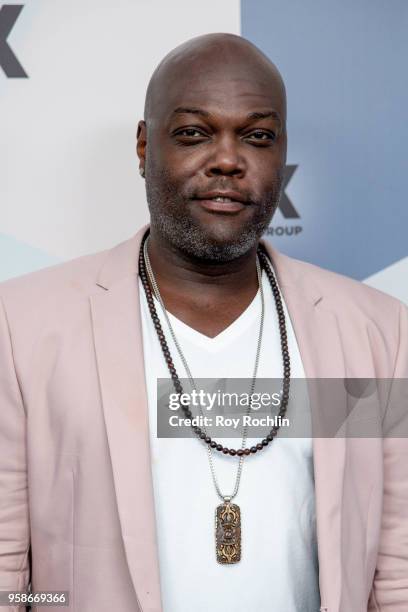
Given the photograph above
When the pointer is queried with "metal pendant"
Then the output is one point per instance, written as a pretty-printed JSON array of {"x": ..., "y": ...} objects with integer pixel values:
[{"x": 228, "y": 533}]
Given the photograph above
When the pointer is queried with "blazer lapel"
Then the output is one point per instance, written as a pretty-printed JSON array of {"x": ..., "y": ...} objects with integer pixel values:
[
  {"x": 318, "y": 336},
  {"x": 119, "y": 352}
]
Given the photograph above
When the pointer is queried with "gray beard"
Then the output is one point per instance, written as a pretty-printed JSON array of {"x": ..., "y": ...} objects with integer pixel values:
[
  {"x": 184, "y": 235},
  {"x": 193, "y": 242}
]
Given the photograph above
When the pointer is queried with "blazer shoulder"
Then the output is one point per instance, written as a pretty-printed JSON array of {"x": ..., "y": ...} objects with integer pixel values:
[
  {"x": 361, "y": 311},
  {"x": 342, "y": 291},
  {"x": 76, "y": 275}
]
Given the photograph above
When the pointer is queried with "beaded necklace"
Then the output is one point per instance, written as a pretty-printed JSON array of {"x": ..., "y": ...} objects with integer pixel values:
[{"x": 228, "y": 515}]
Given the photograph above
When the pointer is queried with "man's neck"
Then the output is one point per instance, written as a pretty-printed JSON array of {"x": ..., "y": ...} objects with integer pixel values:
[{"x": 206, "y": 296}]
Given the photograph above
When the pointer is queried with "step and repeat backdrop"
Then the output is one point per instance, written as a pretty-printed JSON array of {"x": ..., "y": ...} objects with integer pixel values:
[{"x": 72, "y": 82}]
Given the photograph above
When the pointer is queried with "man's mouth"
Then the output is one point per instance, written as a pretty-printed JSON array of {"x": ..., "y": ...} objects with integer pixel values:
[
  {"x": 220, "y": 199},
  {"x": 221, "y": 203}
]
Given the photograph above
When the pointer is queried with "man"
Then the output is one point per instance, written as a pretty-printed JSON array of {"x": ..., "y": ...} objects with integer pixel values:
[{"x": 120, "y": 518}]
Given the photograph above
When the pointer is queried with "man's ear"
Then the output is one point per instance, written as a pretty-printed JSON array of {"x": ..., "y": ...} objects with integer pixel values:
[{"x": 141, "y": 142}]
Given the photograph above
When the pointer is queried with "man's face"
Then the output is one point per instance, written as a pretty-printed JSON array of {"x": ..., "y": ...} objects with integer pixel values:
[{"x": 217, "y": 133}]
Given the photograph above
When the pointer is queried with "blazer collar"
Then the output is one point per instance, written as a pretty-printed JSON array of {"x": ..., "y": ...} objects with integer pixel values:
[{"x": 122, "y": 260}]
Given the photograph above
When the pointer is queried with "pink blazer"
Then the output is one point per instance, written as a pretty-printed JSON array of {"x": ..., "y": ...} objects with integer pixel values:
[{"x": 75, "y": 476}]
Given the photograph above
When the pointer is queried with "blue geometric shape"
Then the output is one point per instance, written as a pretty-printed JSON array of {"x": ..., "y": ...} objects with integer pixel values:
[
  {"x": 17, "y": 258},
  {"x": 344, "y": 65}
]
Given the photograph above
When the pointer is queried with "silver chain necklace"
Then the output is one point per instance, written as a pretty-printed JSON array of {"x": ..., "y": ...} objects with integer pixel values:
[{"x": 227, "y": 513}]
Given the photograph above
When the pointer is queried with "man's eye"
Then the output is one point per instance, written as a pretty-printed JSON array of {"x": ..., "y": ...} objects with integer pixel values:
[
  {"x": 192, "y": 132},
  {"x": 262, "y": 136}
]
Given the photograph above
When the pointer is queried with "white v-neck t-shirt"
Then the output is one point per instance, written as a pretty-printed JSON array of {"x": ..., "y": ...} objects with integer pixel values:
[{"x": 278, "y": 570}]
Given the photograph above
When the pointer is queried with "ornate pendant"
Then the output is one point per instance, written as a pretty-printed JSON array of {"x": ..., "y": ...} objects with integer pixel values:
[{"x": 228, "y": 533}]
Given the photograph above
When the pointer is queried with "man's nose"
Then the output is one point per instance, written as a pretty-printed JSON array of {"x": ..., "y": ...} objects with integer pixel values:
[{"x": 226, "y": 159}]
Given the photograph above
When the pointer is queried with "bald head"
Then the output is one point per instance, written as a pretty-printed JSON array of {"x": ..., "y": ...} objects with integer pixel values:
[{"x": 228, "y": 56}]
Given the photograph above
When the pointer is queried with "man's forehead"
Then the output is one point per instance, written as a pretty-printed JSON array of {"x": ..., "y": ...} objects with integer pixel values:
[{"x": 222, "y": 92}]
